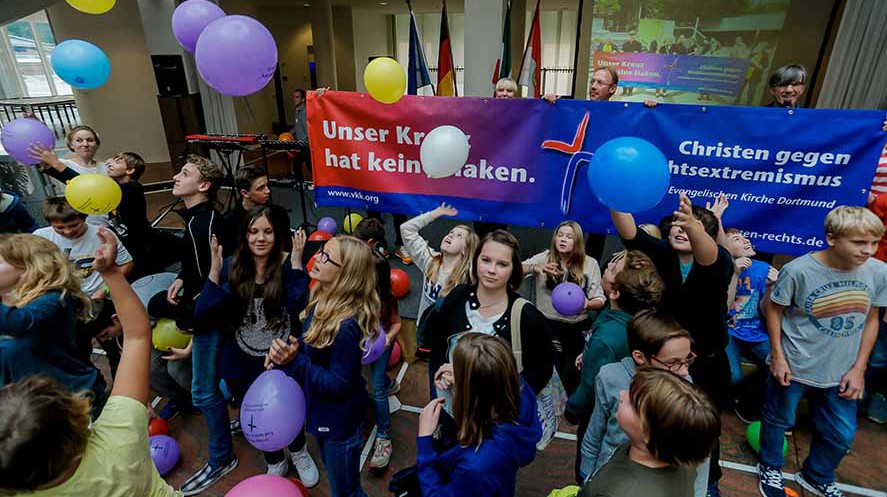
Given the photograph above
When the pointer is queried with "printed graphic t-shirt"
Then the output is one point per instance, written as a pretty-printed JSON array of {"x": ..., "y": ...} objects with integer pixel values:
[
  {"x": 825, "y": 313},
  {"x": 746, "y": 323},
  {"x": 81, "y": 251}
]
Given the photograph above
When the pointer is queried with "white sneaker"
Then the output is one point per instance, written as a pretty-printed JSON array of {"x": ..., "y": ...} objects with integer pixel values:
[
  {"x": 305, "y": 467},
  {"x": 278, "y": 469}
]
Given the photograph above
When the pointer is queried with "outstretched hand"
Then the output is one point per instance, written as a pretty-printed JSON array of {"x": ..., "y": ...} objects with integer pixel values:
[
  {"x": 216, "y": 259},
  {"x": 683, "y": 217},
  {"x": 299, "y": 240},
  {"x": 719, "y": 206},
  {"x": 446, "y": 210},
  {"x": 105, "y": 256}
]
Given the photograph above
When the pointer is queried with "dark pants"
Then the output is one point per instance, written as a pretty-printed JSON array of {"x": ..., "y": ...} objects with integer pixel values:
[
  {"x": 569, "y": 342},
  {"x": 711, "y": 372}
]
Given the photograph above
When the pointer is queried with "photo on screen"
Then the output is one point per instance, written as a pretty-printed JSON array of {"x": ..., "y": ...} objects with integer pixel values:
[{"x": 711, "y": 52}]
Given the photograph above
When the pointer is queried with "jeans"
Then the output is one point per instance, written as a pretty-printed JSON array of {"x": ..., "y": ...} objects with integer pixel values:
[
  {"x": 756, "y": 351},
  {"x": 342, "y": 461},
  {"x": 381, "y": 382},
  {"x": 207, "y": 397},
  {"x": 834, "y": 421}
]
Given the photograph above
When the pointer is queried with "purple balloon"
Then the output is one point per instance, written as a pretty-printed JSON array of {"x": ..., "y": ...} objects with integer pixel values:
[
  {"x": 236, "y": 55},
  {"x": 18, "y": 135},
  {"x": 164, "y": 452},
  {"x": 374, "y": 350},
  {"x": 190, "y": 18},
  {"x": 261, "y": 485},
  {"x": 273, "y": 411},
  {"x": 328, "y": 225},
  {"x": 568, "y": 299}
]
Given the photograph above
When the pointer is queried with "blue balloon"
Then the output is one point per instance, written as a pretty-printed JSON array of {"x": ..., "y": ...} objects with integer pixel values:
[
  {"x": 628, "y": 174},
  {"x": 81, "y": 64}
]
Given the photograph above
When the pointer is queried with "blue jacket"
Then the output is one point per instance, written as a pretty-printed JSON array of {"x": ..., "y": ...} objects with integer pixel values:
[
  {"x": 40, "y": 338},
  {"x": 218, "y": 308},
  {"x": 334, "y": 389},
  {"x": 489, "y": 470},
  {"x": 15, "y": 218}
]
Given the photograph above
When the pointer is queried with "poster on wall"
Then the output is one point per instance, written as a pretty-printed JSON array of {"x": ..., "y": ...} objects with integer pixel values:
[{"x": 711, "y": 52}]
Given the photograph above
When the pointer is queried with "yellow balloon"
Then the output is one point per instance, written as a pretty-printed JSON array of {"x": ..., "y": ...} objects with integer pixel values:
[
  {"x": 385, "y": 80},
  {"x": 351, "y": 221},
  {"x": 166, "y": 335},
  {"x": 93, "y": 193},
  {"x": 92, "y": 6}
]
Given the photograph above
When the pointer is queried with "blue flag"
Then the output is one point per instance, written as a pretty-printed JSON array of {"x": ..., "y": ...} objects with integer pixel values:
[{"x": 417, "y": 73}]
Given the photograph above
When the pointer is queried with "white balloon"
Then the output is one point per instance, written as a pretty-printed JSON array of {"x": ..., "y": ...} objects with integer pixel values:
[{"x": 444, "y": 151}]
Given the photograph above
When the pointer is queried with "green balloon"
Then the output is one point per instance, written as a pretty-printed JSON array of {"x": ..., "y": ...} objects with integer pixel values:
[
  {"x": 753, "y": 434},
  {"x": 166, "y": 336}
]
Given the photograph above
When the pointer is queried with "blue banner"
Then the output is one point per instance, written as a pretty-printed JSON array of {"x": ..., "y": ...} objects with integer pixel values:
[{"x": 782, "y": 169}]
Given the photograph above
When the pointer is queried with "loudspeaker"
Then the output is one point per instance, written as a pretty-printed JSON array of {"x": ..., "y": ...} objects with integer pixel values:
[{"x": 169, "y": 71}]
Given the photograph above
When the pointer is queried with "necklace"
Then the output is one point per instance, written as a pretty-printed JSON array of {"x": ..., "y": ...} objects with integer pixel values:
[{"x": 494, "y": 304}]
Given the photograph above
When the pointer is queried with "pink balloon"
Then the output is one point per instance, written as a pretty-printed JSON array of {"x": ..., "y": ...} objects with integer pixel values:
[
  {"x": 266, "y": 485},
  {"x": 190, "y": 18},
  {"x": 395, "y": 355}
]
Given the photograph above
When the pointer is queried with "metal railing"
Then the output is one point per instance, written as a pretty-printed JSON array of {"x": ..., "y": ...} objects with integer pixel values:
[{"x": 60, "y": 114}]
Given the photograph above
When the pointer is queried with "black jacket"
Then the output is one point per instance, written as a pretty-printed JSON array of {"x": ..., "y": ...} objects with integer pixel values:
[
  {"x": 450, "y": 319},
  {"x": 201, "y": 222}
]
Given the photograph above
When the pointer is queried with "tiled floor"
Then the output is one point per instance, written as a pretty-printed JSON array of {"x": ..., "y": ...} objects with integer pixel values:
[{"x": 864, "y": 467}]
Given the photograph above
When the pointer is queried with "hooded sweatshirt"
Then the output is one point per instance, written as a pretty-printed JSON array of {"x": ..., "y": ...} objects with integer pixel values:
[
  {"x": 14, "y": 217},
  {"x": 489, "y": 470}
]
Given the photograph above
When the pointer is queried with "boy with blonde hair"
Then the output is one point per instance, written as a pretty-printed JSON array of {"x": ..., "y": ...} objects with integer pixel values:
[{"x": 823, "y": 322}]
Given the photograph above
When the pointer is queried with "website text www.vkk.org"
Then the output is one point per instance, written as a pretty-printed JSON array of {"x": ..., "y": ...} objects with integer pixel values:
[{"x": 370, "y": 199}]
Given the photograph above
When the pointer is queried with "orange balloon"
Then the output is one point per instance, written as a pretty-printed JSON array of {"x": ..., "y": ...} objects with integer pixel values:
[
  {"x": 319, "y": 236},
  {"x": 308, "y": 267},
  {"x": 287, "y": 137}
]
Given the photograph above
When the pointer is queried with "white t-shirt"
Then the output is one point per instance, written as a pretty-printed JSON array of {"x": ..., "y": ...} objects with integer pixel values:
[
  {"x": 100, "y": 168},
  {"x": 80, "y": 251}
]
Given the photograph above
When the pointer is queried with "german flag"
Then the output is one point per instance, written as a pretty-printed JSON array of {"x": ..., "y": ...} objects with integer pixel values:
[{"x": 446, "y": 69}]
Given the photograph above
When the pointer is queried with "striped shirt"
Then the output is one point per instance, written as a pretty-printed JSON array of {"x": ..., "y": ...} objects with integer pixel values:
[{"x": 879, "y": 184}]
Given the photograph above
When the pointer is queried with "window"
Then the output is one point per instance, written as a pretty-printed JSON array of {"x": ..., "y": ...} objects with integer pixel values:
[{"x": 26, "y": 49}]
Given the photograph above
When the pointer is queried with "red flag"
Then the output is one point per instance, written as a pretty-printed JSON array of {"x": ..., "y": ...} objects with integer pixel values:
[{"x": 531, "y": 67}]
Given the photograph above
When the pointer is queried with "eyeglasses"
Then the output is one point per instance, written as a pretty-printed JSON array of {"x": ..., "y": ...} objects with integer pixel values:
[
  {"x": 598, "y": 82},
  {"x": 323, "y": 257},
  {"x": 677, "y": 365}
]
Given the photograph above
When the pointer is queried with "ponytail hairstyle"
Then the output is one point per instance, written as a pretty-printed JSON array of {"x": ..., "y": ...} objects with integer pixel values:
[
  {"x": 46, "y": 269},
  {"x": 352, "y": 294},
  {"x": 242, "y": 275},
  {"x": 464, "y": 270},
  {"x": 487, "y": 387},
  {"x": 575, "y": 270}
]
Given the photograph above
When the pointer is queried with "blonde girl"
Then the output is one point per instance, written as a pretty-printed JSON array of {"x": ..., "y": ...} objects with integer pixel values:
[
  {"x": 565, "y": 261},
  {"x": 445, "y": 269},
  {"x": 41, "y": 306},
  {"x": 341, "y": 319}
]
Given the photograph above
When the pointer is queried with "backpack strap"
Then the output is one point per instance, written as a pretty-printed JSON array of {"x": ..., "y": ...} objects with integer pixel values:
[{"x": 516, "y": 347}]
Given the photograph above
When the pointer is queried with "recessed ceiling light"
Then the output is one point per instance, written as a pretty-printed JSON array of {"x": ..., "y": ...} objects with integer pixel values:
[
  {"x": 306, "y": 5},
  {"x": 383, "y": 3}
]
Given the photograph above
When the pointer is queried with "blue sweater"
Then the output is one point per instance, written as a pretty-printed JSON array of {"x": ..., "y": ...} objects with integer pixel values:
[
  {"x": 330, "y": 377},
  {"x": 491, "y": 469},
  {"x": 43, "y": 342}
]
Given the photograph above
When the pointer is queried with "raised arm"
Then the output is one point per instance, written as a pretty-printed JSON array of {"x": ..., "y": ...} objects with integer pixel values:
[
  {"x": 625, "y": 225},
  {"x": 135, "y": 362},
  {"x": 417, "y": 246},
  {"x": 705, "y": 249}
]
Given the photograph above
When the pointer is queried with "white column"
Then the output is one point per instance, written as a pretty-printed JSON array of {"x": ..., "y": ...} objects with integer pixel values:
[{"x": 483, "y": 36}]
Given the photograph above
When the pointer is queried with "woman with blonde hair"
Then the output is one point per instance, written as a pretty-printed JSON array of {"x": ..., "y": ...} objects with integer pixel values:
[
  {"x": 565, "y": 262},
  {"x": 441, "y": 270},
  {"x": 338, "y": 326},
  {"x": 41, "y": 306},
  {"x": 495, "y": 419}
]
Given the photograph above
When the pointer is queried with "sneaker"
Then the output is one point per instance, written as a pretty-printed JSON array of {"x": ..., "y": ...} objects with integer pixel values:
[
  {"x": 206, "y": 477},
  {"x": 278, "y": 469},
  {"x": 305, "y": 467},
  {"x": 382, "y": 450},
  {"x": 393, "y": 387},
  {"x": 820, "y": 490},
  {"x": 403, "y": 255},
  {"x": 770, "y": 482},
  {"x": 877, "y": 409},
  {"x": 235, "y": 427}
]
